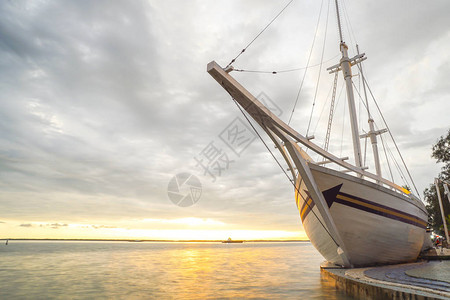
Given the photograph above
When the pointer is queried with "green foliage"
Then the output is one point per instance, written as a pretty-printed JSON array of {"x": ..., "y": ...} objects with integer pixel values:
[
  {"x": 434, "y": 211},
  {"x": 441, "y": 152},
  {"x": 447, "y": 220}
]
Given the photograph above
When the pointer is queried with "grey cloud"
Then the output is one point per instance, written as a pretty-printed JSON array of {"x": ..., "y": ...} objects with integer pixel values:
[
  {"x": 56, "y": 225},
  {"x": 102, "y": 226},
  {"x": 105, "y": 102}
]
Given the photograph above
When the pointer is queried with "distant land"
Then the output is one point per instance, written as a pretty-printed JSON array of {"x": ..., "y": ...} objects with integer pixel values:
[{"x": 161, "y": 241}]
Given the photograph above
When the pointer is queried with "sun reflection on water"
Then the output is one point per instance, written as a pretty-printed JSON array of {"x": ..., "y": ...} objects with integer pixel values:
[{"x": 162, "y": 270}]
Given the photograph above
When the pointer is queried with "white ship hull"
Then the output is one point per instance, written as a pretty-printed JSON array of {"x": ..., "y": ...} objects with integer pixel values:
[{"x": 377, "y": 225}]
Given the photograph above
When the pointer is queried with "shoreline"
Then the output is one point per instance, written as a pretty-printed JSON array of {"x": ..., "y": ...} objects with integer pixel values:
[{"x": 143, "y": 241}]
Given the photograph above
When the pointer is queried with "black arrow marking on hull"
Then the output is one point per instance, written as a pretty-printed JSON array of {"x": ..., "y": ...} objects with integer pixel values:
[{"x": 330, "y": 195}]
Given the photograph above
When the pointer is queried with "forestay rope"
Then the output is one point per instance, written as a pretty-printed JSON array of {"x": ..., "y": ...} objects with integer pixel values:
[
  {"x": 292, "y": 181},
  {"x": 243, "y": 50}
]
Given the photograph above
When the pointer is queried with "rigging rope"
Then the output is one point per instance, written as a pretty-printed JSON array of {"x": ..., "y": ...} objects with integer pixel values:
[
  {"x": 320, "y": 69},
  {"x": 359, "y": 95},
  {"x": 330, "y": 116},
  {"x": 243, "y": 50},
  {"x": 364, "y": 85},
  {"x": 281, "y": 167},
  {"x": 387, "y": 159},
  {"x": 307, "y": 64},
  {"x": 284, "y": 71},
  {"x": 349, "y": 24},
  {"x": 402, "y": 176},
  {"x": 359, "y": 105},
  {"x": 343, "y": 126},
  {"x": 365, "y": 150},
  {"x": 390, "y": 134},
  {"x": 397, "y": 165},
  {"x": 360, "y": 67},
  {"x": 389, "y": 151},
  {"x": 322, "y": 110}
]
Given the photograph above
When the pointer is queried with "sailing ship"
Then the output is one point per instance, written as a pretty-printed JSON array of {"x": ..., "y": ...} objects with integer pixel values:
[{"x": 352, "y": 217}]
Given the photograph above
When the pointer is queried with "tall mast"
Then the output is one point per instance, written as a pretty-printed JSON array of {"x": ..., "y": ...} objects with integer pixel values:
[
  {"x": 339, "y": 21},
  {"x": 345, "y": 66},
  {"x": 372, "y": 134},
  {"x": 436, "y": 182}
]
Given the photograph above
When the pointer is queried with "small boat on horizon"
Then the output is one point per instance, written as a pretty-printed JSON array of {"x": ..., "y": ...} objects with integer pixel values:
[{"x": 230, "y": 241}]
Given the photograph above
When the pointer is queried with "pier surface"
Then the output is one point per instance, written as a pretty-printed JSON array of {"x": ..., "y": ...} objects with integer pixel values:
[{"x": 426, "y": 279}]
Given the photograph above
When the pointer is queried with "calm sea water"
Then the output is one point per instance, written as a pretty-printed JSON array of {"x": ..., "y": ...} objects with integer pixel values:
[{"x": 124, "y": 270}]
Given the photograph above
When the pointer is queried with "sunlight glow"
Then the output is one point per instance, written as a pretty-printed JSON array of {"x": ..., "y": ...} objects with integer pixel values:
[
  {"x": 186, "y": 229},
  {"x": 187, "y": 221}
]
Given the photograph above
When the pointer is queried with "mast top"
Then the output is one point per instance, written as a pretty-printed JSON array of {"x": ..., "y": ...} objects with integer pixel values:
[{"x": 339, "y": 21}]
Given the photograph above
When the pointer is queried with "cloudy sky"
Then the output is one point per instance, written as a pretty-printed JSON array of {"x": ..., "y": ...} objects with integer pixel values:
[{"x": 104, "y": 102}]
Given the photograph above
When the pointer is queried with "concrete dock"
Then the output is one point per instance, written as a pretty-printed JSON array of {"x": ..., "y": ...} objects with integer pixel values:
[{"x": 426, "y": 279}]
